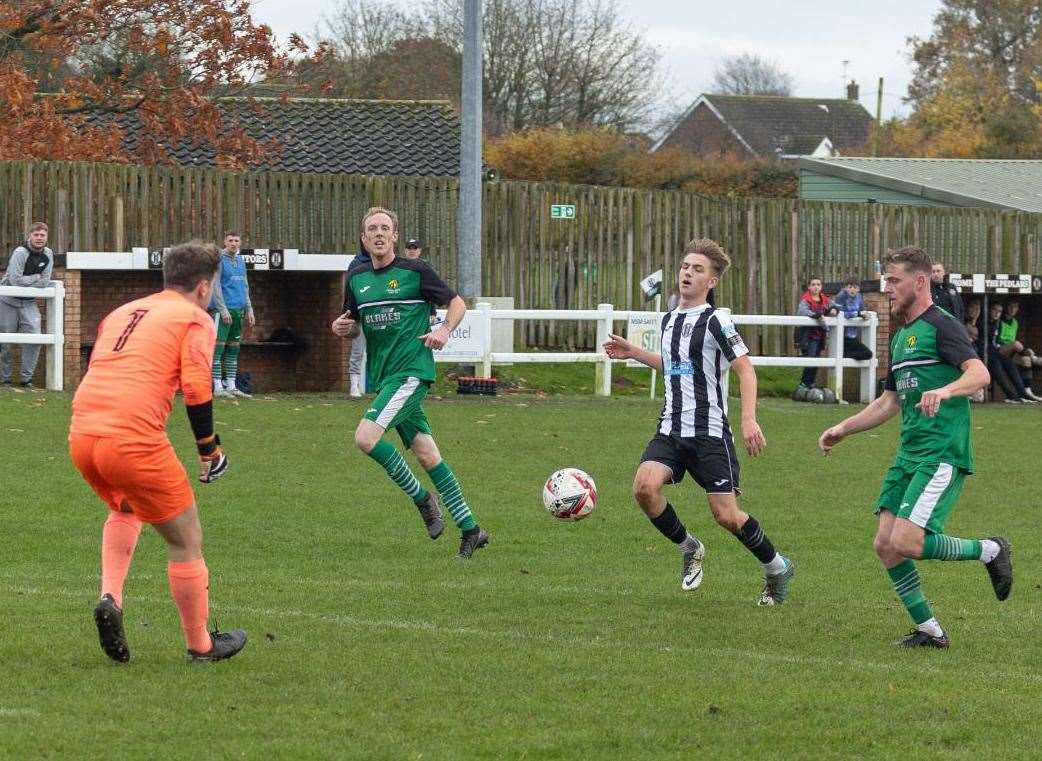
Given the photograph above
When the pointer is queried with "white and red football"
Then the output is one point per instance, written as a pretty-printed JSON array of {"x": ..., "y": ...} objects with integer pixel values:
[{"x": 569, "y": 494}]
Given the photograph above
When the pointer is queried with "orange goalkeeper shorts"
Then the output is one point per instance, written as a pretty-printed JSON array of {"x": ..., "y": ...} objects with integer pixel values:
[{"x": 147, "y": 475}]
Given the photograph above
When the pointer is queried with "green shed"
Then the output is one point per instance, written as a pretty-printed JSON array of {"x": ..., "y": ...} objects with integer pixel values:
[{"x": 970, "y": 183}]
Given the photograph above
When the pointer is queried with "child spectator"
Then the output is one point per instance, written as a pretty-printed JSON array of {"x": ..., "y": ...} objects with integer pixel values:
[
  {"x": 810, "y": 340},
  {"x": 852, "y": 305}
]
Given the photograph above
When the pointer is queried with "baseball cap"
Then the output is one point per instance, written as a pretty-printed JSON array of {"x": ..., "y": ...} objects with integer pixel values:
[{"x": 413, "y": 243}]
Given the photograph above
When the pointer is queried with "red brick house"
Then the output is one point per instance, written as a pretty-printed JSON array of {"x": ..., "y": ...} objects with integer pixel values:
[{"x": 770, "y": 127}]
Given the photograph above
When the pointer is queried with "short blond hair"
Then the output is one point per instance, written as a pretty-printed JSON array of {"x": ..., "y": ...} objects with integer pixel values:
[
  {"x": 373, "y": 211},
  {"x": 913, "y": 258},
  {"x": 712, "y": 251}
]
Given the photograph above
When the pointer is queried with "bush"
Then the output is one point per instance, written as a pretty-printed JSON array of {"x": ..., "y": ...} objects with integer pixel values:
[{"x": 600, "y": 156}]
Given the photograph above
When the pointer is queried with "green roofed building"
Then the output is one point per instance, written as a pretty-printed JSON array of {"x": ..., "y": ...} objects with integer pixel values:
[{"x": 968, "y": 183}]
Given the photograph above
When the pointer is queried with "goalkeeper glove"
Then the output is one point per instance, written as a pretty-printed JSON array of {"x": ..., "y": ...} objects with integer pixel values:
[{"x": 212, "y": 461}]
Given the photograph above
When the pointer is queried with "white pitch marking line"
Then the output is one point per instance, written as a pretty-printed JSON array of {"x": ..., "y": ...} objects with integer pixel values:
[{"x": 614, "y": 644}]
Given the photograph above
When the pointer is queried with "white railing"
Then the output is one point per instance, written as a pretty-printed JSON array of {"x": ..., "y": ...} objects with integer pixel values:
[
  {"x": 480, "y": 349},
  {"x": 54, "y": 338}
]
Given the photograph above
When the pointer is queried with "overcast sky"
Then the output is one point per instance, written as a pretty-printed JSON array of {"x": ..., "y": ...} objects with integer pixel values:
[{"x": 807, "y": 38}]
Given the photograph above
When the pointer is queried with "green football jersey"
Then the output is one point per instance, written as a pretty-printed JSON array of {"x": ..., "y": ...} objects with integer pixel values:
[
  {"x": 393, "y": 305},
  {"x": 927, "y": 354}
]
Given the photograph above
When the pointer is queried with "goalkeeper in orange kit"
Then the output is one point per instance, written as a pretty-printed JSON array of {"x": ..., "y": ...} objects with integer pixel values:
[{"x": 145, "y": 351}]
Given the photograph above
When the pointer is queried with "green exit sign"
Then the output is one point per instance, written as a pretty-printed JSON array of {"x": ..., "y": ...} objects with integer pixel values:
[{"x": 562, "y": 211}]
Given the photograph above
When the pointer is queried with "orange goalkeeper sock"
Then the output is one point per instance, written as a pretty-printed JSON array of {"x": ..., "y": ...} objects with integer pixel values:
[
  {"x": 118, "y": 539},
  {"x": 189, "y": 582}
]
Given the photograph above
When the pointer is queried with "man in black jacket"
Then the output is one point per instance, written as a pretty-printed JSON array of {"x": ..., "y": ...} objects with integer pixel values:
[{"x": 945, "y": 295}]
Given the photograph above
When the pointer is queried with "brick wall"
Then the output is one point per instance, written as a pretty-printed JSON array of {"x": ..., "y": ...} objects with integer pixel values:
[
  {"x": 704, "y": 134},
  {"x": 304, "y": 302}
]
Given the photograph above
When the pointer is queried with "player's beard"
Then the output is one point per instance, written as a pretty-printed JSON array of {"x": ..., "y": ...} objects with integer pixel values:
[{"x": 900, "y": 307}]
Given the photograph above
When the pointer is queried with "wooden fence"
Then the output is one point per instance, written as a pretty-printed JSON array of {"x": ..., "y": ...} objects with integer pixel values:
[{"x": 617, "y": 236}]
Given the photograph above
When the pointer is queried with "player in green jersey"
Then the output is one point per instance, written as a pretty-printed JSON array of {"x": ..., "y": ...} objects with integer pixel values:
[
  {"x": 933, "y": 372},
  {"x": 389, "y": 300}
]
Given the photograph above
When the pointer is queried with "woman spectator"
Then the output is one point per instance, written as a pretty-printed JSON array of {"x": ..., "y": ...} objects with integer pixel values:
[{"x": 810, "y": 340}]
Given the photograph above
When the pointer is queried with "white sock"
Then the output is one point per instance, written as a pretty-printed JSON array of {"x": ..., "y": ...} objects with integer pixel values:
[
  {"x": 776, "y": 566},
  {"x": 217, "y": 385},
  {"x": 229, "y": 384},
  {"x": 931, "y": 627},
  {"x": 690, "y": 544},
  {"x": 988, "y": 550}
]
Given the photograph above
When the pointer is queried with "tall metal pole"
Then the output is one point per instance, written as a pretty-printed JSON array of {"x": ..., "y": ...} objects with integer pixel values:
[
  {"x": 879, "y": 117},
  {"x": 469, "y": 215}
]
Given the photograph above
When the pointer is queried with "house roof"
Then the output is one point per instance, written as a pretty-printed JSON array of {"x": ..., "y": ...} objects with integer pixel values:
[
  {"x": 378, "y": 137},
  {"x": 769, "y": 126},
  {"x": 999, "y": 184}
]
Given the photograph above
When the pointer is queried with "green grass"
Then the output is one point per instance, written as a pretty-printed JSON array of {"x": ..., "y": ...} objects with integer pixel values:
[
  {"x": 577, "y": 379},
  {"x": 559, "y": 641}
]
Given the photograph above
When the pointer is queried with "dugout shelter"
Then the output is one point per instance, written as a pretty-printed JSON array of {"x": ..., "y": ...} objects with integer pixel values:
[{"x": 295, "y": 297}]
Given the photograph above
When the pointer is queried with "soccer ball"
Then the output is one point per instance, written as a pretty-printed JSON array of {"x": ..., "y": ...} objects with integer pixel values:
[
  {"x": 569, "y": 494},
  {"x": 816, "y": 395},
  {"x": 800, "y": 394},
  {"x": 829, "y": 396}
]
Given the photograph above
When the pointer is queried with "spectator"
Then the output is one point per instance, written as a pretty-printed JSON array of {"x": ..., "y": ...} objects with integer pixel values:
[
  {"x": 810, "y": 340},
  {"x": 945, "y": 295},
  {"x": 850, "y": 303},
  {"x": 231, "y": 308},
  {"x": 413, "y": 249},
  {"x": 356, "y": 359},
  {"x": 973, "y": 327},
  {"x": 973, "y": 330},
  {"x": 1002, "y": 368},
  {"x": 1024, "y": 359},
  {"x": 30, "y": 267}
]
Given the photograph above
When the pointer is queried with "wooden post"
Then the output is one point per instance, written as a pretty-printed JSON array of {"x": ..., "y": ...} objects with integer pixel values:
[{"x": 118, "y": 241}]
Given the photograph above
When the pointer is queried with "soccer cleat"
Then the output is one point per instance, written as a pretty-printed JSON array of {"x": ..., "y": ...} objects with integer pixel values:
[
  {"x": 1007, "y": 400},
  {"x": 239, "y": 394},
  {"x": 471, "y": 542},
  {"x": 222, "y": 393},
  {"x": 776, "y": 588},
  {"x": 1028, "y": 400},
  {"x": 1000, "y": 569},
  {"x": 109, "y": 619},
  {"x": 225, "y": 645},
  {"x": 27, "y": 385},
  {"x": 919, "y": 638},
  {"x": 430, "y": 511},
  {"x": 691, "y": 568}
]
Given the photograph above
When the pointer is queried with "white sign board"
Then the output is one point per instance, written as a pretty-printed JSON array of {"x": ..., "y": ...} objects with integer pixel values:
[
  {"x": 467, "y": 341},
  {"x": 562, "y": 211},
  {"x": 645, "y": 330}
]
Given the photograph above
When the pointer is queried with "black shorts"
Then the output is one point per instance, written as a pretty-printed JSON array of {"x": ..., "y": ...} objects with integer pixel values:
[{"x": 712, "y": 462}]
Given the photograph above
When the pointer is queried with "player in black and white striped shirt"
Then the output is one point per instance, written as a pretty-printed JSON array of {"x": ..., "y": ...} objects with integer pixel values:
[{"x": 699, "y": 345}]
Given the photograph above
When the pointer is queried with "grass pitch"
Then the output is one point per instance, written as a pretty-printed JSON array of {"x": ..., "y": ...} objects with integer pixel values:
[{"x": 367, "y": 640}]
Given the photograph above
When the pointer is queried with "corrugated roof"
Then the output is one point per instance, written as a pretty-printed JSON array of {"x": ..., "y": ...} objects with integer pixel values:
[
  {"x": 419, "y": 138},
  {"x": 1001, "y": 184}
]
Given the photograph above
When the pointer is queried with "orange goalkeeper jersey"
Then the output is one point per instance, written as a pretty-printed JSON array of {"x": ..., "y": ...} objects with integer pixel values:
[{"x": 145, "y": 351}]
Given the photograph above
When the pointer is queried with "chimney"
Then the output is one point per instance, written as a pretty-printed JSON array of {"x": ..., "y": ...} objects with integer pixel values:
[{"x": 853, "y": 91}]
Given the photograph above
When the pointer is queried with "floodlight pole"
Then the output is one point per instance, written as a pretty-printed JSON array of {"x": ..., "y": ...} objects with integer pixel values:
[{"x": 469, "y": 211}]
